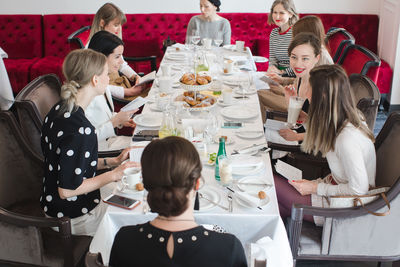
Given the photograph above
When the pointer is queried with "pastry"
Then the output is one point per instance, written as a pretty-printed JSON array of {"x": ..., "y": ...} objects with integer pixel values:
[
  {"x": 139, "y": 187},
  {"x": 262, "y": 195},
  {"x": 201, "y": 80}
]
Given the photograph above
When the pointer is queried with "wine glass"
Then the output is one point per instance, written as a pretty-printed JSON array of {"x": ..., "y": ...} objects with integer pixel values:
[
  {"x": 212, "y": 127},
  {"x": 244, "y": 85},
  {"x": 218, "y": 42},
  {"x": 195, "y": 37}
]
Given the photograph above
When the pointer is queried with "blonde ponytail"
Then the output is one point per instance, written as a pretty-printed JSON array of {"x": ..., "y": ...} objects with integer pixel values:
[{"x": 79, "y": 67}]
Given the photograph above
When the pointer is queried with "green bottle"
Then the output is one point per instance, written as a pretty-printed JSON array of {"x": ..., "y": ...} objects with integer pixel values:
[{"x": 221, "y": 152}]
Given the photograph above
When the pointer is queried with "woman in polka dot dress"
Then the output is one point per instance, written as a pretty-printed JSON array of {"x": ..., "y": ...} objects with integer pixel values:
[
  {"x": 69, "y": 145},
  {"x": 173, "y": 238}
]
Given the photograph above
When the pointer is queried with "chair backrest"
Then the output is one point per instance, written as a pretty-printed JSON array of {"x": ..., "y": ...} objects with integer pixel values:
[
  {"x": 32, "y": 105},
  {"x": 21, "y": 169},
  {"x": 79, "y": 38},
  {"x": 387, "y": 146},
  {"x": 358, "y": 59},
  {"x": 338, "y": 39},
  {"x": 367, "y": 96},
  {"x": 93, "y": 260}
]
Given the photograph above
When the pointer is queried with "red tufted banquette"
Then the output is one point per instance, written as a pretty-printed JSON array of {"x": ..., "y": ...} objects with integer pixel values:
[{"x": 143, "y": 35}]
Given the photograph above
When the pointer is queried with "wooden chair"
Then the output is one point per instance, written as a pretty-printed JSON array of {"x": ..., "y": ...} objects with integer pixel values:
[
  {"x": 79, "y": 38},
  {"x": 352, "y": 234},
  {"x": 26, "y": 234},
  {"x": 338, "y": 39}
]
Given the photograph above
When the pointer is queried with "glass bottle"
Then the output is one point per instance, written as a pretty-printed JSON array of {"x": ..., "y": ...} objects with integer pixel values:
[
  {"x": 201, "y": 62},
  {"x": 167, "y": 127},
  {"x": 221, "y": 152}
]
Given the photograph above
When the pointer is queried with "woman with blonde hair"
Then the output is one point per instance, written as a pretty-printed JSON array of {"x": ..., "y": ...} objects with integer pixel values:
[
  {"x": 284, "y": 15},
  {"x": 335, "y": 128},
  {"x": 69, "y": 145},
  {"x": 110, "y": 18}
]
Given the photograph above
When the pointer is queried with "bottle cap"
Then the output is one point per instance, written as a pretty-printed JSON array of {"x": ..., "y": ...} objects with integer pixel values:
[{"x": 222, "y": 139}]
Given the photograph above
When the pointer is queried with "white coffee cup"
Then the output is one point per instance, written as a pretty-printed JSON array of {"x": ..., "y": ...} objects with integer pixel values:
[
  {"x": 228, "y": 66},
  {"x": 166, "y": 70},
  {"x": 240, "y": 46},
  {"x": 206, "y": 43},
  {"x": 131, "y": 178},
  {"x": 165, "y": 84},
  {"x": 295, "y": 105},
  {"x": 227, "y": 96}
]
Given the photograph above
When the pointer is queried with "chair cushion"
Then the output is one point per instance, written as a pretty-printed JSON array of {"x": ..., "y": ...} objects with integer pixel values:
[
  {"x": 47, "y": 65},
  {"x": 385, "y": 77},
  {"x": 310, "y": 241},
  {"x": 18, "y": 72}
]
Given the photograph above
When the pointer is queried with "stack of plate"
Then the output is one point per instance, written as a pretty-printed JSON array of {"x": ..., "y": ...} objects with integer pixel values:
[{"x": 239, "y": 112}]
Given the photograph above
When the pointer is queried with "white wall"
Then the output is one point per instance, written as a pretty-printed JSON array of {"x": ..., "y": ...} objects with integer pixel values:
[{"x": 182, "y": 6}]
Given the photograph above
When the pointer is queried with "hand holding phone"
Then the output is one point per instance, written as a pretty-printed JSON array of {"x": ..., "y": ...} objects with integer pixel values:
[{"x": 122, "y": 202}]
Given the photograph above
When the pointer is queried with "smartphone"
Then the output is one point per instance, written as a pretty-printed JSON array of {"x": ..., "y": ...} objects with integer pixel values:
[
  {"x": 232, "y": 124},
  {"x": 148, "y": 133},
  {"x": 145, "y": 135},
  {"x": 122, "y": 202}
]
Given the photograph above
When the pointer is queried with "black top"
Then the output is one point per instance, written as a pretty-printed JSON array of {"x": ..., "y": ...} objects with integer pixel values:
[
  {"x": 69, "y": 145},
  {"x": 306, "y": 104},
  {"x": 146, "y": 245}
]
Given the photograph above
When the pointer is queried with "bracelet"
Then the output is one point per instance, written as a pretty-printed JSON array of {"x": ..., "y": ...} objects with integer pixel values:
[{"x": 105, "y": 163}]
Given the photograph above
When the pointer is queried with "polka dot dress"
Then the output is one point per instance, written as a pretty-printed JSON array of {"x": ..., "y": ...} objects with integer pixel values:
[{"x": 69, "y": 146}]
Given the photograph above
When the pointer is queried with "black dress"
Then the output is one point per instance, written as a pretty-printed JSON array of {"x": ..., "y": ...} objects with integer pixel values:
[
  {"x": 69, "y": 146},
  {"x": 146, "y": 245}
]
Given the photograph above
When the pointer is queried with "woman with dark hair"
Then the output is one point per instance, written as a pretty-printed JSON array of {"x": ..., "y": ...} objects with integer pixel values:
[
  {"x": 209, "y": 24},
  {"x": 173, "y": 238},
  {"x": 336, "y": 129},
  {"x": 100, "y": 112}
]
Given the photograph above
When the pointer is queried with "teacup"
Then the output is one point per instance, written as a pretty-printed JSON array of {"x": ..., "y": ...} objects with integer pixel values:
[
  {"x": 240, "y": 46},
  {"x": 131, "y": 178},
  {"x": 165, "y": 84}
]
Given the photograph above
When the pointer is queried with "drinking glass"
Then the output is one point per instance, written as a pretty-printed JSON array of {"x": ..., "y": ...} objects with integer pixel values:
[
  {"x": 212, "y": 127},
  {"x": 218, "y": 42},
  {"x": 295, "y": 105},
  {"x": 225, "y": 170},
  {"x": 244, "y": 84},
  {"x": 195, "y": 37}
]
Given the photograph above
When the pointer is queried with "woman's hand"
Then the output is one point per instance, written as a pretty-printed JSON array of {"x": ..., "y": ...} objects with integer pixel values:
[
  {"x": 276, "y": 77},
  {"x": 118, "y": 172},
  {"x": 290, "y": 135},
  {"x": 122, "y": 118},
  {"x": 273, "y": 69},
  {"x": 303, "y": 117},
  {"x": 124, "y": 155},
  {"x": 133, "y": 91},
  {"x": 305, "y": 187}
]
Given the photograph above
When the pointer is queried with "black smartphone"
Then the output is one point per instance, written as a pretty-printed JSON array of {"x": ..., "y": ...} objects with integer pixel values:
[
  {"x": 232, "y": 124},
  {"x": 153, "y": 133},
  {"x": 122, "y": 202}
]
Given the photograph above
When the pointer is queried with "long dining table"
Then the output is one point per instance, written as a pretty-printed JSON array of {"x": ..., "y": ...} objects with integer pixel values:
[{"x": 259, "y": 227}]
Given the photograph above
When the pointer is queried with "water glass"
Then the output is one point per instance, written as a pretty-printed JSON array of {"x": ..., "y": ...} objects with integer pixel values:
[
  {"x": 218, "y": 42},
  {"x": 225, "y": 170}
]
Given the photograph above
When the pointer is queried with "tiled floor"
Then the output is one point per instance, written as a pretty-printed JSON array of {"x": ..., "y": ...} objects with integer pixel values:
[{"x": 380, "y": 121}]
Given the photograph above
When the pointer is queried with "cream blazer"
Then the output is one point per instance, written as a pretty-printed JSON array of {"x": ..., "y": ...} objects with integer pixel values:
[{"x": 99, "y": 114}]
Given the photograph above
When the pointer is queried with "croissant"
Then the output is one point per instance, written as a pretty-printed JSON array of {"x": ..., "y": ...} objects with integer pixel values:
[{"x": 200, "y": 80}]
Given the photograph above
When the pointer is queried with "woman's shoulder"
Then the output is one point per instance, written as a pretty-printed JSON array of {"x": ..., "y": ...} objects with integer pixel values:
[{"x": 350, "y": 136}]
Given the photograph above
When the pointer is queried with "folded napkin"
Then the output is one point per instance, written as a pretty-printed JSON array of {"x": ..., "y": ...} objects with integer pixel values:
[
  {"x": 250, "y": 200},
  {"x": 259, "y": 250},
  {"x": 273, "y": 136},
  {"x": 180, "y": 46}
]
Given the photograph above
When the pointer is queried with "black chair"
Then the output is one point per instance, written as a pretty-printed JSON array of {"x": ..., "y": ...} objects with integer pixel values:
[
  {"x": 79, "y": 38},
  {"x": 26, "y": 234},
  {"x": 352, "y": 234},
  {"x": 338, "y": 39}
]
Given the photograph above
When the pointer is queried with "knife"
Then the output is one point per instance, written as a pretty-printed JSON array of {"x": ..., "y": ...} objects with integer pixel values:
[
  {"x": 253, "y": 147},
  {"x": 213, "y": 202}
]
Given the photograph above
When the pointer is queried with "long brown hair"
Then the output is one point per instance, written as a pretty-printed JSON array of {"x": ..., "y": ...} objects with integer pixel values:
[
  {"x": 311, "y": 24},
  {"x": 289, "y": 6},
  {"x": 170, "y": 169},
  {"x": 332, "y": 107},
  {"x": 107, "y": 13}
]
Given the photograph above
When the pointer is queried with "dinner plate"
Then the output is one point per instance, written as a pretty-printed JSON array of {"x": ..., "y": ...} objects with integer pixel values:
[
  {"x": 248, "y": 91},
  {"x": 220, "y": 102},
  {"x": 249, "y": 188},
  {"x": 259, "y": 59},
  {"x": 262, "y": 203},
  {"x": 211, "y": 194},
  {"x": 243, "y": 164},
  {"x": 247, "y": 134},
  {"x": 148, "y": 120},
  {"x": 239, "y": 112}
]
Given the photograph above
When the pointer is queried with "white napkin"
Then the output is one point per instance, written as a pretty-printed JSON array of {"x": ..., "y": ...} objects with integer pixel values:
[
  {"x": 259, "y": 250},
  {"x": 180, "y": 46},
  {"x": 252, "y": 201},
  {"x": 273, "y": 136},
  {"x": 3, "y": 54}
]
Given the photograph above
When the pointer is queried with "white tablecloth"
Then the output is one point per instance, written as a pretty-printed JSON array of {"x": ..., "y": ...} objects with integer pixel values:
[
  {"x": 6, "y": 94},
  {"x": 248, "y": 224}
]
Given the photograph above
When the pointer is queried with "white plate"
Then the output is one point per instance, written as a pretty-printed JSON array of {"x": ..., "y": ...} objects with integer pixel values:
[
  {"x": 246, "y": 134},
  {"x": 231, "y": 140},
  {"x": 211, "y": 194},
  {"x": 249, "y": 91},
  {"x": 255, "y": 164},
  {"x": 239, "y": 112},
  {"x": 126, "y": 190},
  {"x": 220, "y": 102},
  {"x": 262, "y": 203},
  {"x": 148, "y": 120},
  {"x": 259, "y": 59},
  {"x": 252, "y": 188}
]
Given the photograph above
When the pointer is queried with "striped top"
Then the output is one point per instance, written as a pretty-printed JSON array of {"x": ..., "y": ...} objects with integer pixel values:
[{"x": 278, "y": 50}]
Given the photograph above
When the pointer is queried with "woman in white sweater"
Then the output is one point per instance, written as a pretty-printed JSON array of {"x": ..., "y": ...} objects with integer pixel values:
[{"x": 335, "y": 129}]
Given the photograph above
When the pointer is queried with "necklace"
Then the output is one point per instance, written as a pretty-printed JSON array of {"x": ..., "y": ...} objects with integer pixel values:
[{"x": 174, "y": 220}]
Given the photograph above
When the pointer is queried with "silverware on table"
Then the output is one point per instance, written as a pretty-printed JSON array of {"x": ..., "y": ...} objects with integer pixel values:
[
  {"x": 230, "y": 200},
  {"x": 213, "y": 202},
  {"x": 233, "y": 191},
  {"x": 245, "y": 183}
]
